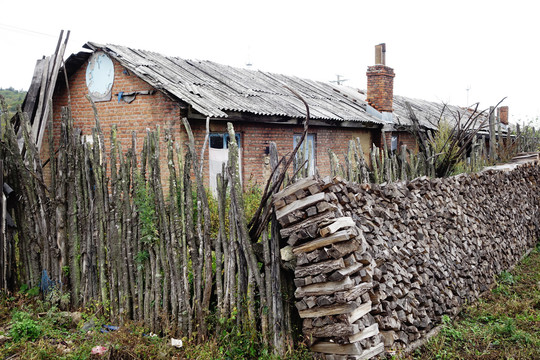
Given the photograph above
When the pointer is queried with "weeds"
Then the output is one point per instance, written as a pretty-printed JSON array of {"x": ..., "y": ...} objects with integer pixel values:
[
  {"x": 23, "y": 327},
  {"x": 34, "y": 329}
]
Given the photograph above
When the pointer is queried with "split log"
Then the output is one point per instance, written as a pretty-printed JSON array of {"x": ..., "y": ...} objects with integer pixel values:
[
  {"x": 330, "y": 310},
  {"x": 319, "y": 268},
  {"x": 302, "y": 184},
  {"x": 298, "y": 205},
  {"x": 338, "y": 224},
  {"x": 364, "y": 334},
  {"x": 324, "y": 241},
  {"x": 332, "y": 330},
  {"x": 325, "y": 288},
  {"x": 347, "y": 349}
]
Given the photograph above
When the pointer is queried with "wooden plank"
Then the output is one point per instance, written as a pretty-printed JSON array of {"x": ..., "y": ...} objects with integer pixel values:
[
  {"x": 324, "y": 241},
  {"x": 299, "y": 204},
  {"x": 364, "y": 334},
  {"x": 338, "y": 224},
  {"x": 35, "y": 122},
  {"x": 327, "y": 347},
  {"x": 326, "y": 288},
  {"x": 359, "y": 312},
  {"x": 59, "y": 58},
  {"x": 30, "y": 101},
  {"x": 328, "y": 310},
  {"x": 299, "y": 185}
]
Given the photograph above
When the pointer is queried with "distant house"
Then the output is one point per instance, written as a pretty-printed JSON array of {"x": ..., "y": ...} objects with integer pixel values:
[{"x": 138, "y": 89}]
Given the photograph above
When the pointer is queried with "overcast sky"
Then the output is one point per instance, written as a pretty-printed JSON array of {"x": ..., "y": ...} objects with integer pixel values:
[{"x": 437, "y": 49}]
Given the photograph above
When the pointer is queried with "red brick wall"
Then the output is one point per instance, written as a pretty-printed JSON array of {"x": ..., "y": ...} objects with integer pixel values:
[
  {"x": 380, "y": 87},
  {"x": 380, "y": 140},
  {"x": 403, "y": 138},
  {"x": 145, "y": 112},
  {"x": 148, "y": 111},
  {"x": 502, "y": 114},
  {"x": 406, "y": 138},
  {"x": 255, "y": 138}
]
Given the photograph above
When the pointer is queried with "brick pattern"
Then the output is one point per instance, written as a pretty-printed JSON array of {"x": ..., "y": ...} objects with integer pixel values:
[
  {"x": 502, "y": 114},
  {"x": 149, "y": 111},
  {"x": 145, "y": 112},
  {"x": 256, "y": 137},
  {"x": 406, "y": 138},
  {"x": 380, "y": 87}
]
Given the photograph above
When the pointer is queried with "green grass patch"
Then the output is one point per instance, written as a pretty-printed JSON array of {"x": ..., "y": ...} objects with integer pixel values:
[{"x": 35, "y": 329}]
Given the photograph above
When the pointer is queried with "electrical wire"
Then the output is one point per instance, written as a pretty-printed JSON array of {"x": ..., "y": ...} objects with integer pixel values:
[{"x": 23, "y": 31}]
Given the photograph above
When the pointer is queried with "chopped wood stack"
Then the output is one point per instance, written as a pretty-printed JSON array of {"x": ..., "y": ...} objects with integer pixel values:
[
  {"x": 333, "y": 270},
  {"x": 394, "y": 258}
]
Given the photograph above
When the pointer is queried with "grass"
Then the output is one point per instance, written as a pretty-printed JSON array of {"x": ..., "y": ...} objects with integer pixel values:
[
  {"x": 35, "y": 329},
  {"x": 503, "y": 324}
]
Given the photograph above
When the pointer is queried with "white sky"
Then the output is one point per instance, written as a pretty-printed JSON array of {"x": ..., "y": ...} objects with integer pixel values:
[{"x": 437, "y": 49}]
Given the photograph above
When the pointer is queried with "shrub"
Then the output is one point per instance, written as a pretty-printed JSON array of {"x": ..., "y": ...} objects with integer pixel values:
[{"x": 23, "y": 327}]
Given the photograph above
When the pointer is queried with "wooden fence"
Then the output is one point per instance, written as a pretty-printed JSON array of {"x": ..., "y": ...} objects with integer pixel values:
[
  {"x": 104, "y": 234},
  {"x": 450, "y": 151}
]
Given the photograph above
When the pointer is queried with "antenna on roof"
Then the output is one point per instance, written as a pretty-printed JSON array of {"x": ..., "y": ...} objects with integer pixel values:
[
  {"x": 468, "y": 88},
  {"x": 339, "y": 80},
  {"x": 249, "y": 63}
]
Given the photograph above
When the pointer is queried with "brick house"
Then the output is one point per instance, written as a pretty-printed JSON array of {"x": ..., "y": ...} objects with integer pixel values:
[{"x": 137, "y": 89}]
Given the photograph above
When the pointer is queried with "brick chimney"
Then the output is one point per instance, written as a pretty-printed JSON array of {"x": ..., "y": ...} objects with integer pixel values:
[
  {"x": 502, "y": 114},
  {"x": 380, "y": 82}
]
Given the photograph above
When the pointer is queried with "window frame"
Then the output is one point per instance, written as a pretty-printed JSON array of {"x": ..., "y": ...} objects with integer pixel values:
[
  {"x": 310, "y": 137},
  {"x": 225, "y": 139}
]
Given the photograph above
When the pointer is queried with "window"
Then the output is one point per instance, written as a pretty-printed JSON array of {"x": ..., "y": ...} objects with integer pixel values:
[
  {"x": 218, "y": 154},
  {"x": 308, "y": 150},
  {"x": 221, "y": 141},
  {"x": 393, "y": 143}
]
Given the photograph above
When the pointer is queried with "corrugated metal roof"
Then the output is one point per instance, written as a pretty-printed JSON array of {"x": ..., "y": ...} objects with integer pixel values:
[
  {"x": 429, "y": 113},
  {"x": 214, "y": 90}
]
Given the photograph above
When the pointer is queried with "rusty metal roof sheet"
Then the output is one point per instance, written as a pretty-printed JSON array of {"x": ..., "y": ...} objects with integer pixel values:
[{"x": 214, "y": 90}]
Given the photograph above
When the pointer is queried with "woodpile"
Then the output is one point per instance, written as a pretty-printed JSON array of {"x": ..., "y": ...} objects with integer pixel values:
[
  {"x": 378, "y": 265},
  {"x": 333, "y": 271}
]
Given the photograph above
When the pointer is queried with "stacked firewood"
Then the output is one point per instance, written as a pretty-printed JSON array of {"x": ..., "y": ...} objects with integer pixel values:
[
  {"x": 385, "y": 262},
  {"x": 333, "y": 270}
]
